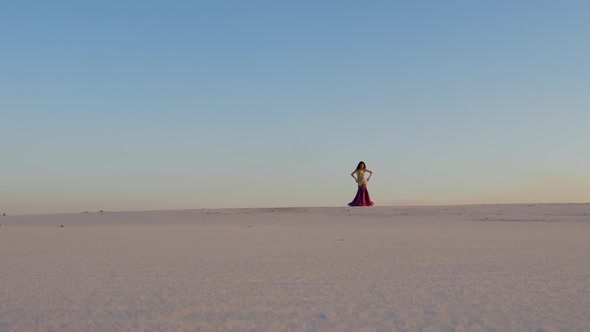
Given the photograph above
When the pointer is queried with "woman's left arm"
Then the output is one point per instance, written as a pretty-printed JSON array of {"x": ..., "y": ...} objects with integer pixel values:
[{"x": 370, "y": 174}]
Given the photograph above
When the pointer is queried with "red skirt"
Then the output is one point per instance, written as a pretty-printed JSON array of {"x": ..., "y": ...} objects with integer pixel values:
[{"x": 362, "y": 197}]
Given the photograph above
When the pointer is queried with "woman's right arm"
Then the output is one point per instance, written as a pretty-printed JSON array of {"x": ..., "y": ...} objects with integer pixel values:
[{"x": 355, "y": 179}]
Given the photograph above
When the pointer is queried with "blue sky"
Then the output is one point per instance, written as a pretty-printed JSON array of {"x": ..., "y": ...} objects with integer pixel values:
[{"x": 141, "y": 105}]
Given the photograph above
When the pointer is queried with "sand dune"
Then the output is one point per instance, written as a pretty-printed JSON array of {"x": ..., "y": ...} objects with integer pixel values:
[{"x": 523, "y": 267}]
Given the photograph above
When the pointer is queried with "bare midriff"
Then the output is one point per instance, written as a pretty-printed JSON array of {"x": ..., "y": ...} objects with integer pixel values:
[{"x": 360, "y": 174}]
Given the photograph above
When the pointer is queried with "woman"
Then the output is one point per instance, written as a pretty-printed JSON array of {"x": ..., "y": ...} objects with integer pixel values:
[{"x": 362, "y": 195}]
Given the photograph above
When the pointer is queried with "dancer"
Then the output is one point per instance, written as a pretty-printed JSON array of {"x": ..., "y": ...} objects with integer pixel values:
[{"x": 362, "y": 195}]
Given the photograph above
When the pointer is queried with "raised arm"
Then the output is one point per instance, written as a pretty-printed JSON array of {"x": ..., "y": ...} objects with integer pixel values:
[{"x": 370, "y": 174}]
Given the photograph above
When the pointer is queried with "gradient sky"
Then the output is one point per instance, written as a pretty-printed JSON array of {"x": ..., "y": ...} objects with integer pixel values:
[{"x": 144, "y": 105}]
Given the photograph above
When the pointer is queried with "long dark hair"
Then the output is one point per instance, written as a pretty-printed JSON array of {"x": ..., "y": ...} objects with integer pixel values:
[{"x": 359, "y": 165}]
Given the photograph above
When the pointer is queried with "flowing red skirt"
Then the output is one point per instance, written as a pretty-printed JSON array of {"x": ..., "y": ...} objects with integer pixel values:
[{"x": 362, "y": 197}]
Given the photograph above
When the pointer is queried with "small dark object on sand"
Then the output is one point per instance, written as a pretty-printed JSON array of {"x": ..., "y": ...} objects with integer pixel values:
[{"x": 61, "y": 226}]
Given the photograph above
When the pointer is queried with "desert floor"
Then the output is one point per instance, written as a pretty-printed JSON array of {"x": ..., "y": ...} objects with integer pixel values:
[{"x": 522, "y": 267}]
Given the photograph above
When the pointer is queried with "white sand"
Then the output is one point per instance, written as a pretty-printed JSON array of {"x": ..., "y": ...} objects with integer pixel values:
[{"x": 461, "y": 268}]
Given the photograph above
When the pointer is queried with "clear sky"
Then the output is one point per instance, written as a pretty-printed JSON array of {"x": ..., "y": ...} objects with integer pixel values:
[{"x": 144, "y": 105}]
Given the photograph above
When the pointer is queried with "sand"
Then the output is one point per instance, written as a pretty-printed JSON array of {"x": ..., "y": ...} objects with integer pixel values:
[{"x": 448, "y": 268}]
